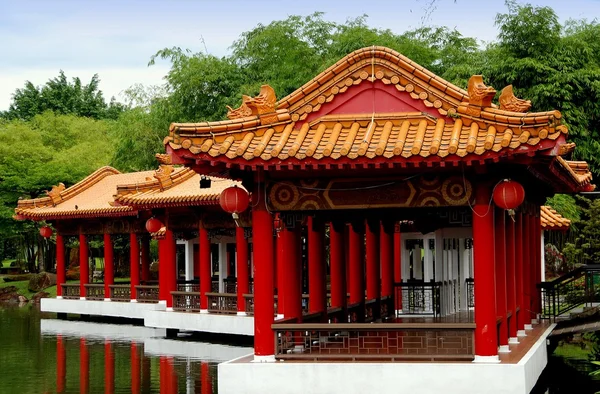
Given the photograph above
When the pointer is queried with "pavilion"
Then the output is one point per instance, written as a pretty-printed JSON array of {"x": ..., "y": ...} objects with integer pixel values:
[{"x": 400, "y": 169}]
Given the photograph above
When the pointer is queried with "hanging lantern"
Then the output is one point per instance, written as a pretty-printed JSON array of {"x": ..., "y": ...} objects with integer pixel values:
[
  {"x": 508, "y": 195},
  {"x": 46, "y": 232},
  {"x": 234, "y": 200},
  {"x": 153, "y": 225}
]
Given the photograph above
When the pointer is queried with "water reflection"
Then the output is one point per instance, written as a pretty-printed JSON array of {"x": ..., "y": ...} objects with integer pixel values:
[{"x": 41, "y": 355}]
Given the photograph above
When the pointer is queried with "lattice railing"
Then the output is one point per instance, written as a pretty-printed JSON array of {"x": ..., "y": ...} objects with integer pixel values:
[
  {"x": 147, "y": 294},
  {"x": 70, "y": 291},
  {"x": 120, "y": 293},
  {"x": 186, "y": 301},
  {"x": 418, "y": 298},
  {"x": 191, "y": 287},
  {"x": 94, "y": 292},
  {"x": 222, "y": 303},
  {"x": 249, "y": 301}
]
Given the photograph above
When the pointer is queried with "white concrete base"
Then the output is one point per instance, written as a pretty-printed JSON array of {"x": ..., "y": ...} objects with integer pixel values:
[
  {"x": 59, "y": 297},
  {"x": 528, "y": 327},
  {"x": 193, "y": 349},
  {"x": 513, "y": 341},
  {"x": 521, "y": 334},
  {"x": 264, "y": 359},
  {"x": 534, "y": 321},
  {"x": 486, "y": 359},
  {"x": 82, "y": 299},
  {"x": 205, "y": 322},
  {"x": 133, "y": 301},
  {"x": 242, "y": 314},
  {"x": 204, "y": 311},
  {"x": 99, "y": 308},
  {"x": 107, "y": 300},
  {"x": 169, "y": 309},
  {"x": 278, "y": 316},
  {"x": 504, "y": 349},
  {"x": 240, "y": 377}
]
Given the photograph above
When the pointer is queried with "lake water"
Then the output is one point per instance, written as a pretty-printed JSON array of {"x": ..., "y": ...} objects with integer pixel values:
[{"x": 41, "y": 354}]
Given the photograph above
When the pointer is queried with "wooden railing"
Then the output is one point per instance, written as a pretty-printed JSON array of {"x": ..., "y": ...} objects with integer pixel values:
[
  {"x": 222, "y": 303},
  {"x": 214, "y": 286},
  {"x": 94, "y": 292},
  {"x": 120, "y": 293},
  {"x": 186, "y": 301},
  {"x": 418, "y": 297},
  {"x": 191, "y": 287},
  {"x": 147, "y": 294},
  {"x": 470, "y": 284},
  {"x": 249, "y": 301},
  {"x": 364, "y": 341},
  {"x": 70, "y": 291}
]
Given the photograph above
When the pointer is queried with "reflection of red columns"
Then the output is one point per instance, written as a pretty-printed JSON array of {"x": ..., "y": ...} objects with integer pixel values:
[
  {"x": 483, "y": 256},
  {"x": 373, "y": 279},
  {"x": 500, "y": 251},
  {"x": 145, "y": 251},
  {"x": 519, "y": 272},
  {"x": 205, "y": 277},
  {"x": 337, "y": 264},
  {"x": 262, "y": 237},
  {"x": 84, "y": 268},
  {"x": 526, "y": 272},
  {"x": 292, "y": 273},
  {"x": 316, "y": 266},
  {"x": 357, "y": 263},
  {"x": 109, "y": 271},
  {"x": 511, "y": 290},
  {"x": 280, "y": 270},
  {"x": 242, "y": 268},
  {"x": 135, "y": 369},
  {"x": 61, "y": 365},
  {"x": 387, "y": 259},
  {"x": 134, "y": 263},
  {"x": 84, "y": 367},
  {"x": 60, "y": 264},
  {"x": 109, "y": 368},
  {"x": 146, "y": 373},
  {"x": 205, "y": 378}
]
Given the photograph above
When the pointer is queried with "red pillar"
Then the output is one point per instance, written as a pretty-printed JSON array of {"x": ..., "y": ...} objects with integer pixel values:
[
  {"x": 511, "y": 289},
  {"x": 84, "y": 268},
  {"x": 61, "y": 364},
  {"x": 205, "y": 276},
  {"x": 61, "y": 276},
  {"x": 387, "y": 258},
  {"x": 292, "y": 273},
  {"x": 317, "y": 288},
  {"x": 167, "y": 281},
  {"x": 135, "y": 369},
  {"x": 145, "y": 250},
  {"x": 519, "y": 271},
  {"x": 373, "y": 274},
  {"x": 483, "y": 256},
  {"x": 109, "y": 270},
  {"x": 243, "y": 275},
  {"x": 262, "y": 236},
  {"x": 337, "y": 264},
  {"x": 84, "y": 367},
  {"x": 357, "y": 263},
  {"x": 109, "y": 368},
  {"x": 526, "y": 272},
  {"x": 205, "y": 378},
  {"x": 134, "y": 263},
  {"x": 500, "y": 262},
  {"x": 534, "y": 263},
  {"x": 538, "y": 260},
  {"x": 279, "y": 274}
]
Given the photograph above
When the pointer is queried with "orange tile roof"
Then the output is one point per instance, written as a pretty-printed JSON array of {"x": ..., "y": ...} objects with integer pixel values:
[{"x": 552, "y": 220}]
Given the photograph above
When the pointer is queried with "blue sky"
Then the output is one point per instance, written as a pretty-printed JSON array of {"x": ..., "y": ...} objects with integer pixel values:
[{"x": 115, "y": 38}]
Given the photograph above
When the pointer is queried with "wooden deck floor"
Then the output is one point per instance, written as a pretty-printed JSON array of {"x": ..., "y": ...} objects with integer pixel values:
[{"x": 517, "y": 351}]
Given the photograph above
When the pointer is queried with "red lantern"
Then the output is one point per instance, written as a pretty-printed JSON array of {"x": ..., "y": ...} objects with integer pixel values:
[
  {"x": 509, "y": 194},
  {"x": 234, "y": 200},
  {"x": 153, "y": 225},
  {"x": 46, "y": 232}
]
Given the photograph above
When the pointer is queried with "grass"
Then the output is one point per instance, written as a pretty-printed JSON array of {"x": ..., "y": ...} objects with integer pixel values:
[{"x": 572, "y": 351}]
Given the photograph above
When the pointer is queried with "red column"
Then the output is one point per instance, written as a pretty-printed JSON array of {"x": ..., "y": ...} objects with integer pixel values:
[
  {"x": 526, "y": 272},
  {"x": 84, "y": 367},
  {"x": 243, "y": 275},
  {"x": 373, "y": 274},
  {"x": 279, "y": 274},
  {"x": 357, "y": 263},
  {"x": 337, "y": 264},
  {"x": 84, "y": 268},
  {"x": 205, "y": 378},
  {"x": 538, "y": 260},
  {"x": 292, "y": 273},
  {"x": 317, "y": 288},
  {"x": 61, "y": 364},
  {"x": 483, "y": 256},
  {"x": 109, "y": 270},
  {"x": 519, "y": 270},
  {"x": 511, "y": 289},
  {"x": 134, "y": 263},
  {"x": 145, "y": 249},
  {"x": 534, "y": 263},
  {"x": 500, "y": 262},
  {"x": 135, "y": 369},
  {"x": 109, "y": 368},
  {"x": 387, "y": 258},
  {"x": 205, "y": 277},
  {"x": 60, "y": 264},
  {"x": 167, "y": 281},
  {"x": 262, "y": 236}
]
